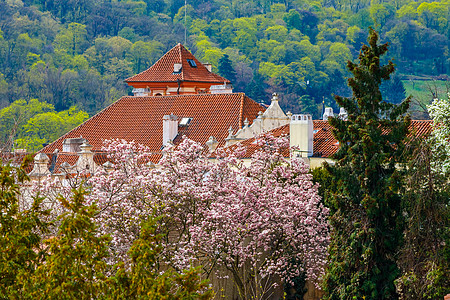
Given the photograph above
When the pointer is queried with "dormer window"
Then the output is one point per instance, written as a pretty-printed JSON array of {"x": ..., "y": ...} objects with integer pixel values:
[
  {"x": 185, "y": 122},
  {"x": 192, "y": 63},
  {"x": 177, "y": 68}
]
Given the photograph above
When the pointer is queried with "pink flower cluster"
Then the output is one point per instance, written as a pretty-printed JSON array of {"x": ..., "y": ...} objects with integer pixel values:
[{"x": 226, "y": 213}]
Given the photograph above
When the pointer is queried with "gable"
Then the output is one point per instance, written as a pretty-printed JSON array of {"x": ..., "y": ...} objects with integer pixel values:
[{"x": 163, "y": 70}]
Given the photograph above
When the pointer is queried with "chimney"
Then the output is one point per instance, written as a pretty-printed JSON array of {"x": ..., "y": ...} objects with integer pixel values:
[
  {"x": 328, "y": 113},
  {"x": 212, "y": 144},
  {"x": 177, "y": 68},
  {"x": 73, "y": 145},
  {"x": 208, "y": 66},
  {"x": 86, "y": 157},
  {"x": 170, "y": 128},
  {"x": 343, "y": 113},
  {"x": 301, "y": 134},
  {"x": 40, "y": 165}
]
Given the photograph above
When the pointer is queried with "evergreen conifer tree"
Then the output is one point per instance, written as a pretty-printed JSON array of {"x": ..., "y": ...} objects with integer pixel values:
[
  {"x": 366, "y": 216},
  {"x": 144, "y": 281},
  {"x": 393, "y": 91},
  {"x": 75, "y": 267},
  {"x": 21, "y": 249},
  {"x": 256, "y": 89},
  {"x": 226, "y": 68}
]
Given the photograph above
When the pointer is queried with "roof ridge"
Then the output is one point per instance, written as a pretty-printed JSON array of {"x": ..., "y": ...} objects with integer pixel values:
[
  {"x": 181, "y": 60},
  {"x": 153, "y": 64},
  {"x": 241, "y": 111},
  {"x": 81, "y": 125}
]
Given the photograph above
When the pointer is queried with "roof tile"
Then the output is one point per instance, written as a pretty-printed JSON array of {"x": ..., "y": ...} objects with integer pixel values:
[
  {"x": 139, "y": 119},
  {"x": 325, "y": 145},
  {"x": 162, "y": 70}
]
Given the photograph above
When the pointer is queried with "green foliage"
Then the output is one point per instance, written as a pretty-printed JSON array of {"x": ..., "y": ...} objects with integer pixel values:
[
  {"x": 424, "y": 259},
  {"x": 366, "y": 208},
  {"x": 327, "y": 183},
  {"x": 33, "y": 123},
  {"x": 75, "y": 267},
  {"x": 15, "y": 116},
  {"x": 71, "y": 262},
  {"x": 21, "y": 250},
  {"x": 50, "y": 49},
  {"x": 393, "y": 90},
  {"x": 145, "y": 281},
  {"x": 226, "y": 68}
]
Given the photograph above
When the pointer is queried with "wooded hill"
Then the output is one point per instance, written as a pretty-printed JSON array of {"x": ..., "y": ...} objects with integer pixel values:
[{"x": 78, "y": 52}]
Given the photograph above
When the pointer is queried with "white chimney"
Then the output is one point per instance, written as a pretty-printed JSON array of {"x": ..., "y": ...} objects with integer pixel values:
[
  {"x": 170, "y": 128},
  {"x": 343, "y": 113},
  {"x": 301, "y": 134},
  {"x": 73, "y": 144},
  {"x": 212, "y": 143},
  {"x": 40, "y": 165},
  {"x": 177, "y": 68},
  {"x": 208, "y": 66},
  {"x": 328, "y": 113},
  {"x": 86, "y": 157}
]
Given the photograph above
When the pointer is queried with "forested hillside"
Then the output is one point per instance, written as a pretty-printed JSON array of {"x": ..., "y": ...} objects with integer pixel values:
[{"x": 78, "y": 52}]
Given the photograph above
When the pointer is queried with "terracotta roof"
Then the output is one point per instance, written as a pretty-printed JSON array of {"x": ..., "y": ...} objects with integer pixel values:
[
  {"x": 141, "y": 119},
  {"x": 16, "y": 159},
  {"x": 163, "y": 69},
  {"x": 62, "y": 157},
  {"x": 325, "y": 145}
]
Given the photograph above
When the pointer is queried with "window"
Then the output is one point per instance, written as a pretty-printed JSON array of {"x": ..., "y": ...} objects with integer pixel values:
[
  {"x": 192, "y": 63},
  {"x": 185, "y": 121}
]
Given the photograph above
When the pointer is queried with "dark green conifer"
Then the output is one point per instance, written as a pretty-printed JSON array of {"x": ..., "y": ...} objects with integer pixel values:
[
  {"x": 75, "y": 267},
  {"x": 21, "y": 250},
  {"x": 366, "y": 216},
  {"x": 256, "y": 89},
  {"x": 226, "y": 68},
  {"x": 393, "y": 91}
]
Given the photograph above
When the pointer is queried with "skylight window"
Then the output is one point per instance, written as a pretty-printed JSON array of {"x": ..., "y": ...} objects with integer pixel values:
[
  {"x": 185, "y": 121},
  {"x": 192, "y": 63}
]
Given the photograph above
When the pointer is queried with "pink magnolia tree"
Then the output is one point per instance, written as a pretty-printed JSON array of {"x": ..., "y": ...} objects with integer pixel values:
[{"x": 243, "y": 219}]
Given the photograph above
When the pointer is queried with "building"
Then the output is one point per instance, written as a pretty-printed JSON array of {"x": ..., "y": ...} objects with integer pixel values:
[
  {"x": 179, "y": 96},
  {"x": 178, "y": 72}
]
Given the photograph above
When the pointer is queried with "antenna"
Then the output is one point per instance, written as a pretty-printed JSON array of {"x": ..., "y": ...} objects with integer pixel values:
[{"x": 185, "y": 16}]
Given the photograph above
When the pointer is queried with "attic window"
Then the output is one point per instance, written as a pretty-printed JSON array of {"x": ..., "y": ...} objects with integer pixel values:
[
  {"x": 192, "y": 63},
  {"x": 177, "y": 68},
  {"x": 185, "y": 121}
]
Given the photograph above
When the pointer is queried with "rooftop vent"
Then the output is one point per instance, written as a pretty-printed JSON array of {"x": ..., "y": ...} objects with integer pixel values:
[
  {"x": 177, "y": 68},
  {"x": 185, "y": 121},
  {"x": 208, "y": 66},
  {"x": 73, "y": 144},
  {"x": 328, "y": 113}
]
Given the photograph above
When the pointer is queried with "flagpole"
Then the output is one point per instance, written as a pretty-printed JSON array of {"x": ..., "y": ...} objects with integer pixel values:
[{"x": 185, "y": 16}]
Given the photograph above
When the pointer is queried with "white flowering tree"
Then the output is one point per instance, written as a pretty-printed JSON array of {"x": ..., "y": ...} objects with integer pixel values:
[
  {"x": 439, "y": 111},
  {"x": 248, "y": 221}
]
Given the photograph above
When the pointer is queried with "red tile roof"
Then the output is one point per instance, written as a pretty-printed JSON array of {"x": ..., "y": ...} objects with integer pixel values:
[
  {"x": 162, "y": 70},
  {"x": 70, "y": 158},
  {"x": 325, "y": 145},
  {"x": 141, "y": 119}
]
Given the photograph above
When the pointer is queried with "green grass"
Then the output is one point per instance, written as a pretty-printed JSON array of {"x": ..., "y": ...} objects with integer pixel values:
[{"x": 423, "y": 92}]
